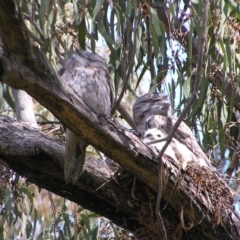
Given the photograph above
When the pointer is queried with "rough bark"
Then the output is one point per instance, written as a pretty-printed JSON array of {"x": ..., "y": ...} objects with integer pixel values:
[
  {"x": 198, "y": 201},
  {"x": 189, "y": 209}
]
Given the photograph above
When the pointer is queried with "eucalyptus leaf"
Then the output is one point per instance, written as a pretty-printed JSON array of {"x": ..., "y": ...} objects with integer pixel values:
[
  {"x": 29, "y": 195},
  {"x": 67, "y": 223},
  {"x": 7, "y": 97},
  {"x": 155, "y": 22},
  {"x": 98, "y": 6},
  {"x": 28, "y": 229}
]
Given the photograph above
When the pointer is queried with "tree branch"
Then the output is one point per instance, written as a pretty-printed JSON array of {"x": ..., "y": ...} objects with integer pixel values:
[
  {"x": 24, "y": 107},
  {"x": 116, "y": 196},
  {"x": 40, "y": 158}
]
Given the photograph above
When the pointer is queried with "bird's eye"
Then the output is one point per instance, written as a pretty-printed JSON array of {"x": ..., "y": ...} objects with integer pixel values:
[
  {"x": 158, "y": 135},
  {"x": 148, "y": 135}
]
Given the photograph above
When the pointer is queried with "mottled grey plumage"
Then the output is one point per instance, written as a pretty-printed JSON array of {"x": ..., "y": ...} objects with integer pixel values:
[
  {"x": 149, "y": 105},
  {"x": 87, "y": 74},
  {"x": 152, "y": 111}
]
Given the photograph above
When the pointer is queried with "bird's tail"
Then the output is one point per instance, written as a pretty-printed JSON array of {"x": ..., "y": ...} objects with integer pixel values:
[{"x": 75, "y": 153}]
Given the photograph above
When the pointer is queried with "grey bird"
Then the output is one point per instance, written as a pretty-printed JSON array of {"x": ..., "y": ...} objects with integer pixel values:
[
  {"x": 87, "y": 74},
  {"x": 153, "y": 111}
]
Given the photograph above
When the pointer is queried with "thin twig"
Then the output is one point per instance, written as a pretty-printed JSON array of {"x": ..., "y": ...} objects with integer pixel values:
[
  {"x": 128, "y": 65},
  {"x": 36, "y": 38},
  {"x": 53, "y": 130},
  {"x": 157, "y": 141},
  {"x": 159, "y": 196},
  {"x": 189, "y": 104},
  {"x": 54, "y": 212},
  {"x": 48, "y": 122},
  {"x": 149, "y": 52}
]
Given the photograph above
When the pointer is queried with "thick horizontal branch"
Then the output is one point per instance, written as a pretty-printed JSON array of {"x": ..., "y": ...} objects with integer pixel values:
[
  {"x": 107, "y": 190},
  {"x": 126, "y": 201},
  {"x": 40, "y": 158}
]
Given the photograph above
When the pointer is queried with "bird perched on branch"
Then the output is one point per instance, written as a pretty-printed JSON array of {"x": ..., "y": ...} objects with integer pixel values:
[
  {"x": 152, "y": 117},
  {"x": 87, "y": 74}
]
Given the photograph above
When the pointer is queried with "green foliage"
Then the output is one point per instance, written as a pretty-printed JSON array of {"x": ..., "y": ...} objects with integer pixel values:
[
  {"x": 7, "y": 97},
  {"x": 29, "y": 213}
]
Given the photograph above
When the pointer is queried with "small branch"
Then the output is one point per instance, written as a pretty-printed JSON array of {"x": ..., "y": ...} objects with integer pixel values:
[
  {"x": 48, "y": 122},
  {"x": 24, "y": 107},
  {"x": 189, "y": 104},
  {"x": 54, "y": 212},
  {"x": 149, "y": 52},
  {"x": 36, "y": 38},
  {"x": 157, "y": 141}
]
